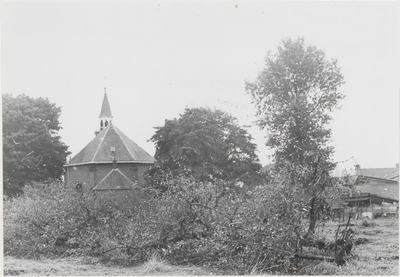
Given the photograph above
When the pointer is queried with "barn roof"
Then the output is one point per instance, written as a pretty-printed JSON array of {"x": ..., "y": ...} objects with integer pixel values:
[
  {"x": 105, "y": 108},
  {"x": 99, "y": 149},
  {"x": 386, "y": 173},
  {"x": 379, "y": 187},
  {"x": 115, "y": 180}
]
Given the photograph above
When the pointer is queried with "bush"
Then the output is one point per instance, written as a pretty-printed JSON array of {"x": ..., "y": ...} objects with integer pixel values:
[
  {"x": 189, "y": 222},
  {"x": 54, "y": 220},
  {"x": 210, "y": 224},
  {"x": 41, "y": 219}
]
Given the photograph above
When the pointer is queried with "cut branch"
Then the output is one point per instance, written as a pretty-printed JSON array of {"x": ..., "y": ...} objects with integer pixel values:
[{"x": 315, "y": 257}]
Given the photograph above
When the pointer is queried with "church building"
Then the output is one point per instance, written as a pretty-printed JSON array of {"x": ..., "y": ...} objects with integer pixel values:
[{"x": 111, "y": 161}]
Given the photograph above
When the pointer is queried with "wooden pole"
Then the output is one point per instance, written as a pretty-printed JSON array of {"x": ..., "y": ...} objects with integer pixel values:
[{"x": 372, "y": 208}]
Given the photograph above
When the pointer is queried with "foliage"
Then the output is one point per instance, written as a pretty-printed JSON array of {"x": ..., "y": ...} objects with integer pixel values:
[
  {"x": 377, "y": 256},
  {"x": 191, "y": 223},
  {"x": 54, "y": 219},
  {"x": 294, "y": 96},
  {"x": 205, "y": 144},
  {"x": 31, "y": 220},
  {"x": 32, "y": 148}
]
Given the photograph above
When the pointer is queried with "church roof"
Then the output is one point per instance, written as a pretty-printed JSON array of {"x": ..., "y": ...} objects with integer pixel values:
[
  {"x": 99, "y": 149},
  {"x": 115, "y": 180},
  {"x": 105, "y": 108}
]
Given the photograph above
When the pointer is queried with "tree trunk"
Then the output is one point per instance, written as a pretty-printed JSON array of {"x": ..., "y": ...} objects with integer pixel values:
[
  {"x": 313, "y": 218},
  {"x": 313, "y": 206}
]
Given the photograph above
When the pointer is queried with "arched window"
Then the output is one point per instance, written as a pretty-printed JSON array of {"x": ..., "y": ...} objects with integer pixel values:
[
  {"x": 106, "y": 123},
  {"x": 101, "y": 123},
  {"x": 78, "y": 187},
  {"x": 135, "y": 173}
]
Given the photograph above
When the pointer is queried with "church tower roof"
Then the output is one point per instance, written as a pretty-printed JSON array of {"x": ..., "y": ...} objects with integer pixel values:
[
  {"x": 105, "y": 117},
  {"x": 105, "y": 108},
  {"x": 110, "y": 145}
]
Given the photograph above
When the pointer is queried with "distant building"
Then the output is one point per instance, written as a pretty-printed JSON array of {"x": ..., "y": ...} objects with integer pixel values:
[
  {"x": 377, "y": 191},
  {"x": 383, "y": 173},
  {"x": 111, "y": 161}
]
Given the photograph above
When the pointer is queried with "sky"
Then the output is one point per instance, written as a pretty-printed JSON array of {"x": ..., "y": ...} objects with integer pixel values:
[{"x": 156, "y": 58}]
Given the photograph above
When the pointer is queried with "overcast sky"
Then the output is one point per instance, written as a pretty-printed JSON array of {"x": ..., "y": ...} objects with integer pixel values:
[{"x": 158, "y": 57}]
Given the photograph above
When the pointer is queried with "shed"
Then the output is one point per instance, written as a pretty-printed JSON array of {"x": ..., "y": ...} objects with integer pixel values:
[{"x": 374, "y": 196}]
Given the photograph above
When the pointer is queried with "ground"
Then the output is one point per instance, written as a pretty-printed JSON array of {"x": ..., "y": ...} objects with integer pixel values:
[
  {"x": 92, "y": 267},
  {"x": 378, "y": 254}
]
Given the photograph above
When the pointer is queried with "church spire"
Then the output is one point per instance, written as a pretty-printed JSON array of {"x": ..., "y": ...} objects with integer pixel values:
[
  {"x": 105, "y": 114},
  {"x": 105, "y": 108}
]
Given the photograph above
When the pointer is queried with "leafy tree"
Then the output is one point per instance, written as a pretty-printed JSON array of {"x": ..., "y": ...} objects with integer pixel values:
[
  {"x": 294, "y": 95},
  {"x": 205, "y": 144},
  {"x": 32, "y": 148}
]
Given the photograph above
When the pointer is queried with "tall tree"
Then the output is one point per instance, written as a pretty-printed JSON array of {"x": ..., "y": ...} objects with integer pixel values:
[
  {"x": 32, "y": 148},
  {"x": 294, "y": 95},
  {"x": 205, "y": 144}
]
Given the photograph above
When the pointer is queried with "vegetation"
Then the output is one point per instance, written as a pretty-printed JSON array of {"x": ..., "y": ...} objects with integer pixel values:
[
  {"x": 199, "y": 218},
  {"x": 377, "y": 255},
  {"x": 32, "y": 148},
  {"x": 376, "y": 250},
  {"x": 293, "y": 96},
  {"x": 191, "y": 223},
  {"x": 205, "y": 144}
]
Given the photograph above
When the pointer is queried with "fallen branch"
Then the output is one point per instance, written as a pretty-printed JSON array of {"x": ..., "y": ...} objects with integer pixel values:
[
  {"x": 338, "y": 261},
  {"x": 346, "y": 224},
  {"x": 315, "y": 257},
  {"x": 113, "y": 248}
]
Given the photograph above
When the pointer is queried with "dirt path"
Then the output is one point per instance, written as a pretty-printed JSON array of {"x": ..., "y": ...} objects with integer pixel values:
[{"x": 88, "y": 267}]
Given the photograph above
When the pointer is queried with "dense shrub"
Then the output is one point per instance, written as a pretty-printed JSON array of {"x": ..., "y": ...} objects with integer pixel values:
[
  {"x": 55, "y": 219},
  {"x": 44, "y": 219},
  {"x": 190, "y": 222}
]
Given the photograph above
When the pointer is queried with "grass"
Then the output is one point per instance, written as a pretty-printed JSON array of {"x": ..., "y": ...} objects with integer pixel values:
[
  {"x": 157, "y": 266},
  {"x": 76, "y": 266},
  {"x": 379, "y": 255}
]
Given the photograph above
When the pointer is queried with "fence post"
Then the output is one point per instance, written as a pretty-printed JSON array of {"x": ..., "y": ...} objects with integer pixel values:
[{"x": 372, "y": 207}]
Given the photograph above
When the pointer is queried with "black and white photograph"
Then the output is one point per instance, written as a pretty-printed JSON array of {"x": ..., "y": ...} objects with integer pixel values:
[{"x": 200, "y": 137}]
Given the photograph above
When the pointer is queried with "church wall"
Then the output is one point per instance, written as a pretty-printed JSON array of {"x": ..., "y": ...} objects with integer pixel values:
[
  {"x": 89, "y": 175},
  {"x": 78, "y": 174}
]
